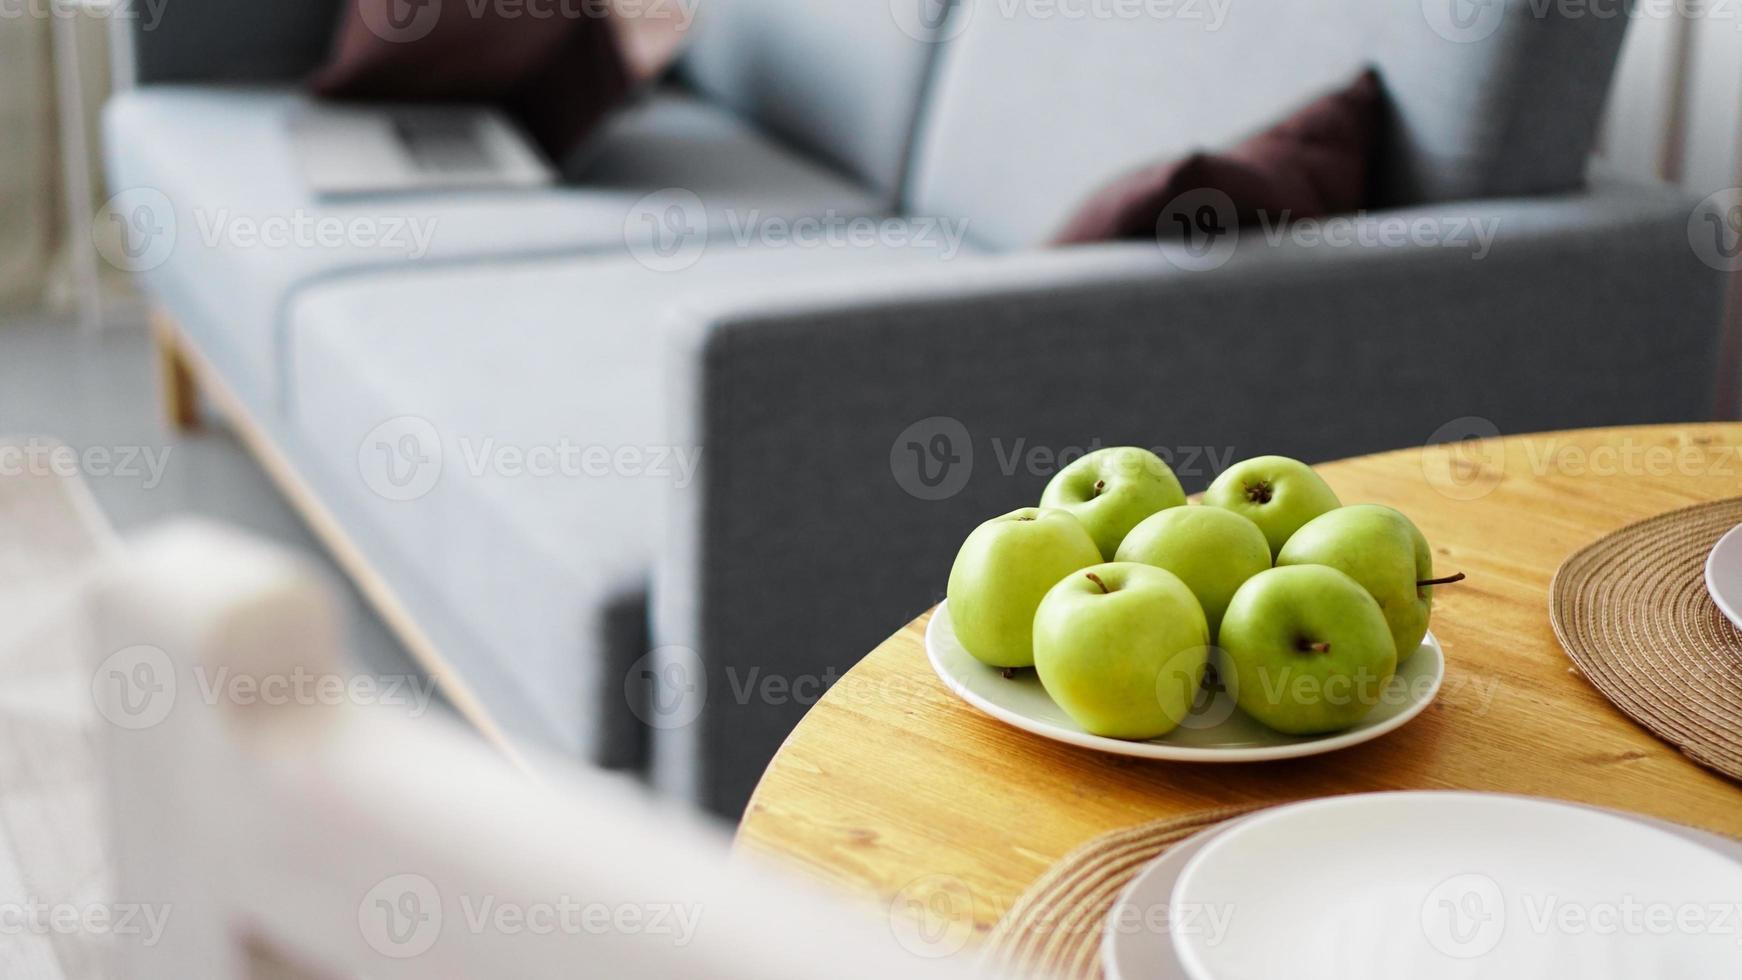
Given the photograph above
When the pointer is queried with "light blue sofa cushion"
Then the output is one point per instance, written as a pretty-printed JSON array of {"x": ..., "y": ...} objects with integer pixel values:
[
  {"x": 840, "y": 78},
  {"x": 554, "y": 359},
  {"x": 1031, "y": 111},
  {"x": 219, "y": 160}
]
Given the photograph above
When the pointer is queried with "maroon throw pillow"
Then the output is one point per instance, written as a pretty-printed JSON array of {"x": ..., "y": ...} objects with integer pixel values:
[
  {"x": 1311, "y": 164},
  {"x": 558, "y": 74}
]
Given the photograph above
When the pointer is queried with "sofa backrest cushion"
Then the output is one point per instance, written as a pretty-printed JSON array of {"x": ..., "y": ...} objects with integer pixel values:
[
  {"x": 838, "y": 78},
  {"x": 1031, "y": 109}
]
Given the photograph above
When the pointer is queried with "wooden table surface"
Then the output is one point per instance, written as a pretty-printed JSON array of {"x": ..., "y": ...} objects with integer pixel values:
[{"x": 891, "y": 782}]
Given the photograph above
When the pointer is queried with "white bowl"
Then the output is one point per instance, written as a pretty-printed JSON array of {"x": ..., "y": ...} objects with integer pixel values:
[
  {"x": 1724, "y": 575},
  {"x": 1431, "y": 885}
]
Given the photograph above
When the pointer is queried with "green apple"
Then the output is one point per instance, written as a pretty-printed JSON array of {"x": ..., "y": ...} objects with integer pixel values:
[
  {"x": 1213, "y": 551},
  {"x": 1001, "y": 573},
  {"x": 1276, "y": 493},
  {"x": 1122, "y": 648},
  {"x": 1385, "y": 552},
  {"x": 1311, "y": 651},
  {"x": 1111, "y": 490}
]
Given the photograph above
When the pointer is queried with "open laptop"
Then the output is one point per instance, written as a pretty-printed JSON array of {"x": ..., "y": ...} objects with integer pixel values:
[{"x": 347, "y": 150}]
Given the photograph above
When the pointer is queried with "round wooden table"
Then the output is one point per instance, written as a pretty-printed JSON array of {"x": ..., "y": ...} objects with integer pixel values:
[{"x": 891, "y": 780}]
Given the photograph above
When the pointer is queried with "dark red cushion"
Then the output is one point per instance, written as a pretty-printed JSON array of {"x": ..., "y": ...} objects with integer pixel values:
[
  {"x": 1311, "y": 164},
  {"x": 558, "y": 75}
]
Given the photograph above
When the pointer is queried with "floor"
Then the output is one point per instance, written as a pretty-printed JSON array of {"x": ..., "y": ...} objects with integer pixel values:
[{"x": 101, "y": 392}]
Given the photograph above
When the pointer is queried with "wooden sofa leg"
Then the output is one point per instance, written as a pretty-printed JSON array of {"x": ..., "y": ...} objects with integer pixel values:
[{"x": 181, "y": 399}]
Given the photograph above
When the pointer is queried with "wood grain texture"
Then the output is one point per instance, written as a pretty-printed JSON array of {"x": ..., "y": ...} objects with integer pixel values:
[
  {"x": 891, "y": 779},
  {"x": 180, "y": 394}
]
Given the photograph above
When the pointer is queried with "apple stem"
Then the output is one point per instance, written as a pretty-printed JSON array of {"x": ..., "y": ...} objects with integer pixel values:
[
  {"x": 1097, "y": 580},
  {"x": 1319, "y": 647},
  {"x": 1009, "y": 672},
  {"x": 1100, "y": 487},
  {"x": 1448, "y": 580}
]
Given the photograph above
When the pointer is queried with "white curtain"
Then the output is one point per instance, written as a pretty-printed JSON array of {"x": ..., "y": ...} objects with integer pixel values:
[
  {"x": 37, "y": 243},
  {"x": 27, "y": 183}
]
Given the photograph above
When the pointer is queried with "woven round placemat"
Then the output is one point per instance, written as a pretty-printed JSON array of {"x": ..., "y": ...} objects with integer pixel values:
[
  {"x": 1633, "y": 613},
  {"x": 1054, "y": 929}
]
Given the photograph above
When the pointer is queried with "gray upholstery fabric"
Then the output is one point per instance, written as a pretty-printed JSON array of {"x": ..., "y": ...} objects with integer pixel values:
[
  {"x": 538, "y": 575},
  {"x": 842, "y": 78},
  {"x": 230, "y": 40},
  {"x": 1590, "y": 309},
  {"x": 221, "y": 158},
  {"x": 1030, "y": 113}
]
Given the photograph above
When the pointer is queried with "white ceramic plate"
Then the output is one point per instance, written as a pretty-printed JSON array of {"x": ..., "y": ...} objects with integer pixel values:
[
  {"x": 1138, "y": 944},
  {"x": 1441, "y": 885},
  {"x": 1724, "y": 575},
  {"x": 1216, "y": 731}
]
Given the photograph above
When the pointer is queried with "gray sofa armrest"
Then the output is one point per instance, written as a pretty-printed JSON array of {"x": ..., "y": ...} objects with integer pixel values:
[
  {"x": 811, "y": 532},
  {"x": 228, "y": 40}
]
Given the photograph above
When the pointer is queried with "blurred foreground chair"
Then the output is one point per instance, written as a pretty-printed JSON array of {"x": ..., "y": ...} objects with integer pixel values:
[{"x": 306, "y": 833}]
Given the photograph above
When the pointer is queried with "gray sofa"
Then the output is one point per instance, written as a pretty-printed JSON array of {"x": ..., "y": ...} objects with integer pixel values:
[{"x": 859, "y": 401}]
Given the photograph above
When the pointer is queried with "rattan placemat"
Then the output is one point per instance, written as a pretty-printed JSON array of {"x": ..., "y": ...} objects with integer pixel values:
[
  {"x": 1054, "y": 929},
  {"x": 1633, "y": 613}
]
